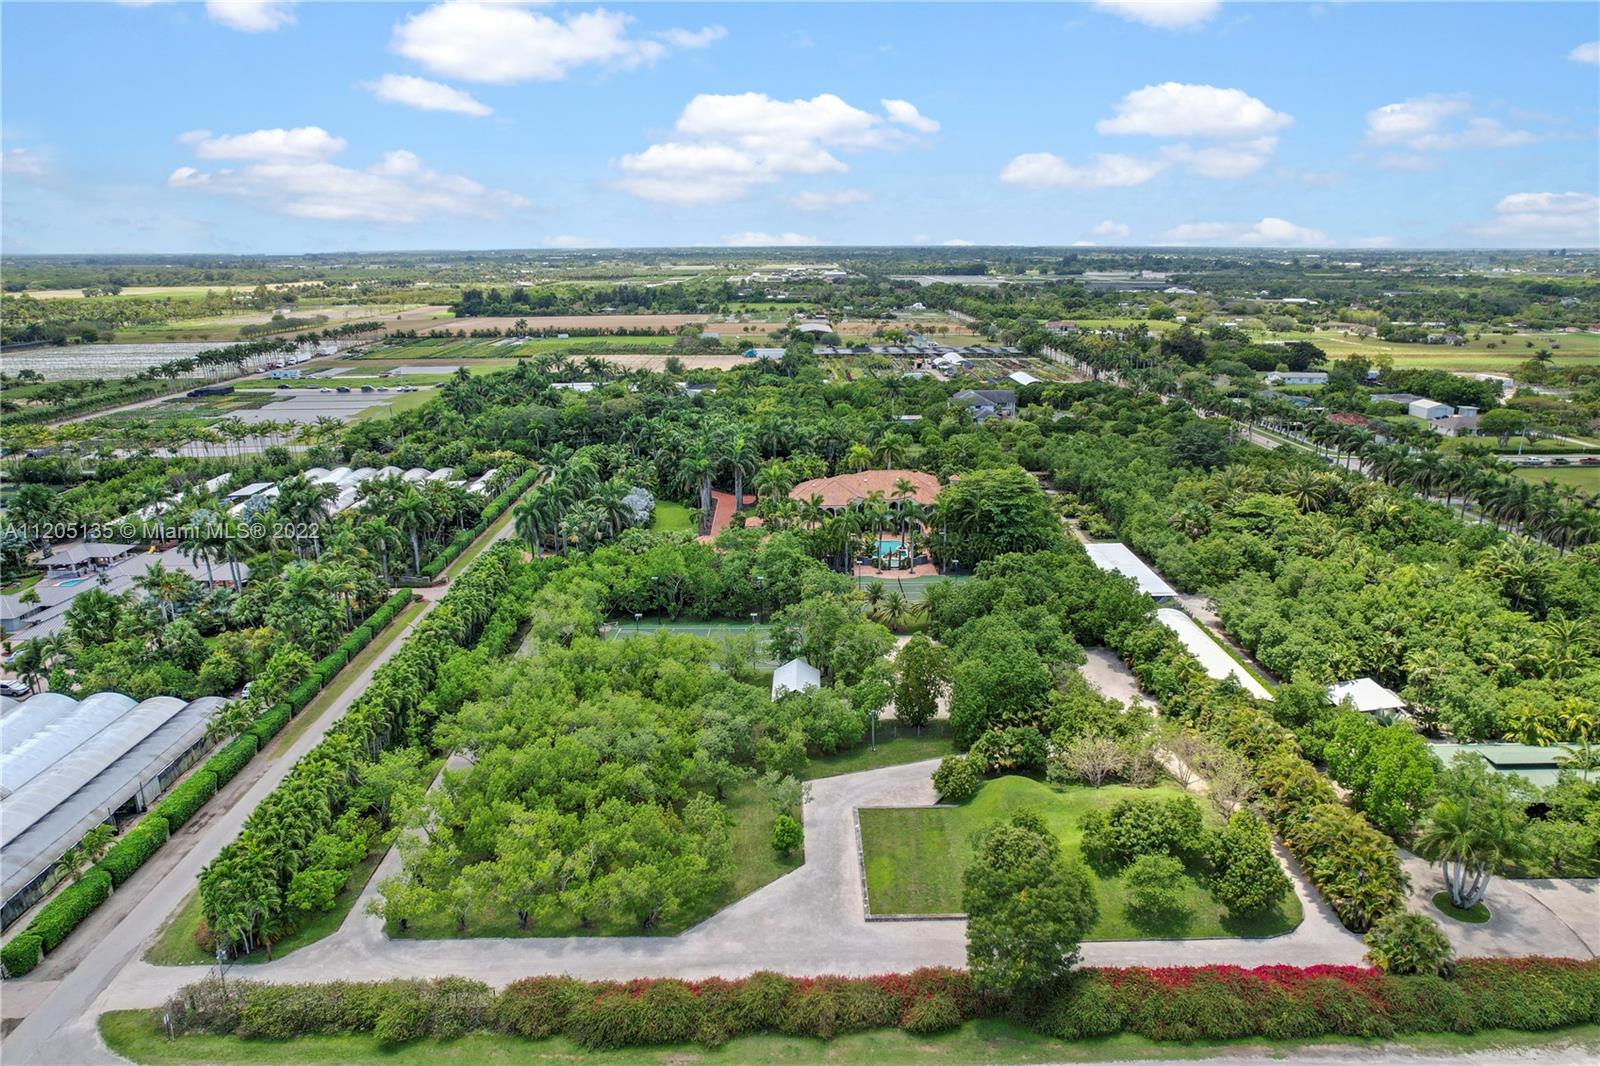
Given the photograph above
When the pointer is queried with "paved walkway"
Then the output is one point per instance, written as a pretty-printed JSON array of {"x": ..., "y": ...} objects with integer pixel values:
[{"x": 1526, "y": 917}]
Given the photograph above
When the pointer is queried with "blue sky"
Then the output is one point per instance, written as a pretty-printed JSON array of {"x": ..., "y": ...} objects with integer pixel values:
[{"x": 275, "y": 127}]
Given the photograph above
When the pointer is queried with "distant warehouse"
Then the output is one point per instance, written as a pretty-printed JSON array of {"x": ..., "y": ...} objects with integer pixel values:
[{"x": 67, "y": 766}]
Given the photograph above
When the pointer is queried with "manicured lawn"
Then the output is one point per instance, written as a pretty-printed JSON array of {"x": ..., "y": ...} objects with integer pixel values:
[
  {"x": 915, "y": 856},
  {"x": 897, "y": 745},
  {"x": 137, "y": 1035},
  {"x": 1477, "y": 914},
  {"x": 754, "y": 864},
  {"x": 672, "y": 517},
  {"x": 174, "y": 944},
  {"x": 1583, "y": 478}
]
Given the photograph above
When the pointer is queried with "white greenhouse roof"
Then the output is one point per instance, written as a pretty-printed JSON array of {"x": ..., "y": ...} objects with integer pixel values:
[
  {"x": 1366, "y": 694},
  {"x": 796, "y": 675},
  {"x": 1119, "y": 558},
  {"x": 43, "y": 816},
  {"x": 1213, "y": 656}
]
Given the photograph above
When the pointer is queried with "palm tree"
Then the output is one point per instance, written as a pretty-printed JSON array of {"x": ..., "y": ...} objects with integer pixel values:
[
  {"x": 1475, "y": 826},
  {"x": 412, "y": 514},
  {"x": 380, "y": 534},
  {"x": 534, "y": 517}
]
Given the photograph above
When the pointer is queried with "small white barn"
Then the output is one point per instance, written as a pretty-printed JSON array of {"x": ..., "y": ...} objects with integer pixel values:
[
  {"x": 1366, "y": 695},
  {"x": 796, "y": 675},
  {"x": 1429, "y": 409}
]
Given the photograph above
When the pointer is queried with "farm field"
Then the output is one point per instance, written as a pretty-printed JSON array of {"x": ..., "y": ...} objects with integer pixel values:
[
  {"x": 1574, "y": 349},
  {"x": 914, "y": 857}
]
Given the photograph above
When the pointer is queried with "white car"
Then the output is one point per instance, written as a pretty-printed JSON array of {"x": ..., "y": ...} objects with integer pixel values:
[{"x": 324, "y": 389}]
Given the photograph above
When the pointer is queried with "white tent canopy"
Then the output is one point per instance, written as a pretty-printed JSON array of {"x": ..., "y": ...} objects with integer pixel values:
[
  {"x": 796, "y": 675},
  {"x": 1367, "y": 695}
]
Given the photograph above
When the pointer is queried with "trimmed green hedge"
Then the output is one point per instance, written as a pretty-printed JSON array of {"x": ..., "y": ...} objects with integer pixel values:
[
  {"x": 179, "y": 805},
  {"x": 1176, "y": 1004},
  {"x": 229, "y": 759},
  {"x": 21, "y": 954},
  {"x": 133, "y": 848},
  {"x": 491, "y": 513},
  {"x": 269, "y": 725},
  {"x": 71, "y": 906}
]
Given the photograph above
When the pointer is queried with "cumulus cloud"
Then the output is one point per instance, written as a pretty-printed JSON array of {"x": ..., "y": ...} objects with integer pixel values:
[
  {"x": 504, "y": 43},
  {"x": 1173, "y": 109},
  {"x": 1163, "y": 14},
  {"x": 1439, "y": 123},
  {"x": 1374, "y": 242},
  {"x": 757, "y": 239},
  {"x": 1545, "y": 217},
  {"x": 251, "y": 16},
  {"x": 906, "y": 114},
  {"x": 425, "y": 95},
  {"x": 723, "y": 147},
  {"x": 957, "y": 242},
  {"x": 1586, "y": 53},
  {"x": 1233, "y": 160},
  {"x": 1108, "y": 228},
  {"x": 1268, "y": 233},
  {"x": 22, "y": 163},
  {"x": 1043, "y": 170},
  {"x": 291, "y": 171},
  {"x": 828, "y": 201},
  {"x": 567, "y": 240}
]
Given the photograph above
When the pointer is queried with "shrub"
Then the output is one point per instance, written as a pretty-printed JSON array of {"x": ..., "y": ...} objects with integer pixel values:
[
  {"x": 269, "y": 724},
  {"x": 536, "y": 1007},
  {"x": 1017, "y": 749},
  {"x": 133, "y": 849},
  {"x": 1154, "y": 883},
  {"x": 1247, "y": 877},
  {"x": 210, "y": 1005},
  {"x": 401, "y": 1021},
  {"x": 69, "y": 908},
  {"x": 1409, "y": 943},
  {"x": 787, "y": 834},
  {"x": 21, "y": 954},
  {"x": 302, "y": 694},
  {"x": 936, "y": 1013},
  {"x": 229, "y": 759},
  {"x": 180, "y": 803},
  {"x": 758, "y": 1003},
  {"x": 1141, "y": 825},
  {"x": 957, "y": 779}
]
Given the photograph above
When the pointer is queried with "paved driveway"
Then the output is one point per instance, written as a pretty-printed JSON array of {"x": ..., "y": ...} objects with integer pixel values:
[{"x": 1532, "y": 917}]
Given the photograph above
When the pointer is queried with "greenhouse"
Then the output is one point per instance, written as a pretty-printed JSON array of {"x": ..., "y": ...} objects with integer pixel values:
[{"x": 68, "y": 765}]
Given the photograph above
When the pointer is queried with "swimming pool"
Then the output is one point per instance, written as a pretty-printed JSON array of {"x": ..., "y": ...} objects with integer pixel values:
[
  {"x": 72, "y": 582},
  {"x": 888, "y": 546}
]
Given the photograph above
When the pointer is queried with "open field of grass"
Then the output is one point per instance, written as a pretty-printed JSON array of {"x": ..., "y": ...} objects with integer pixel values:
[
  {"x": 1568, "y": 349},
  {"x": 672, "y": 517},
  {"x": 1582, "y": 478},
  {"x": 137, "y": 1035},
  {"x": 897, "y": 745},
  {"x": 754, "y": 864},
  {"x": 915, "y": 856}
]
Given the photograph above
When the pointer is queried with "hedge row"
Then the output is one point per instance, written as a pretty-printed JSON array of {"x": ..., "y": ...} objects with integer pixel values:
[
  {"x": 1353, "y": 865},
  {"x": 1178, "y": 1004},
  {"x": 62, "y": 914},
  {"x": 394, "y": 709},
  {"x": 491, "y": 511}
]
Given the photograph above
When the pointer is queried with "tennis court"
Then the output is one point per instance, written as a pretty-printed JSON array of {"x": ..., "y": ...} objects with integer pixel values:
[
  {"x": 719, "y": 630},
  {"x": 912, "y": 588}
]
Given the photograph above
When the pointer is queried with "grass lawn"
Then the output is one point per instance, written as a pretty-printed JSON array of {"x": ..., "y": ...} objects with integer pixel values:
[
  {"x": 897, "y": 745},
  {"x": 672, "y": 517},
  {"x": 1477, "y": 914},
  {"x": 136, "y": 1035},
  {"x": 754, "y": 864},
  {"x": 915, "y": 855},
  {"x": 174, "y": 944},
  {"x": 1583, "y": 478},
  {"x": 1567, "y": 349}
]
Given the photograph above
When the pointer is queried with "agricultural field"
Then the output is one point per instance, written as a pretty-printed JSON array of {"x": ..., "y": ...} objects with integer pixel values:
[
  {"x": 1506, "y": 353},
  {"x": 914, "y": 858},
  {"x": 1583, "y": 478}
]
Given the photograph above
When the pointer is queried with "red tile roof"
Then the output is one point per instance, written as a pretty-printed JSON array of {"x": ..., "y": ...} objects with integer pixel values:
[{"x": 844, "y": 489}]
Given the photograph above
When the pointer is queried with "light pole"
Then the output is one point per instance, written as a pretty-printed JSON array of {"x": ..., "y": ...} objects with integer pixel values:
[{"x": 636, "y": 618}]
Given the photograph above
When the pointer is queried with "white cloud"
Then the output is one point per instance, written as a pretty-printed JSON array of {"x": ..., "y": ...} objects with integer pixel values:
[
  {"x": 505, "y": 43},
  {"x": 1108, "y": 228},
  {"x": 725, "y": 146},
  {"x": 1163, "y": 14},
  {"x": 1545, "y": 217},
  {"x": 828, "y": 201},
  {"x": 251, "y": 16},
  {"x": 906, "y": 114},
  {"x": 1374, "y": 242},
  {"x": 1268, "y": 233},
  {"x": 1042, "y": 170},
  {"x": 757, "y": 239},
  {"x": 22, "y": 163},
  {"x": 425, "y": 95},
  {"x": 1173, "y": 109},
  {"x": 1586, "y": 53},
  {"x": 1440, "y": 123},
  {"x": 301, "y": 144},
  {"x": 957, "y": 242},
  {"x": 567, "y": 240},
  {"x": 1230, "y": 160},
  {"x": 290, "y": 171}
]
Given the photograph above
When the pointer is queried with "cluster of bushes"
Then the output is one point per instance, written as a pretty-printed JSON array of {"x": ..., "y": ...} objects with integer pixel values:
[
  {"x": 491, "y": 511},
  {"x": 70, "y": 907},
  {"x": 244, "y": 887},
  {"x": 1177, "y": 1003},
  {"x": 1139, "y": 826}
]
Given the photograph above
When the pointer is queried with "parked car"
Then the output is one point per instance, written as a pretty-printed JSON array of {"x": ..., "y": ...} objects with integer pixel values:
[
  {"x": 366, "y": 388},
  {"x": 342, "y": 388},
  {"x": 283, "y": 386},
  {"x": 324, "y": 389},
  {"x": 1589, "y": 460},
  {"x": 15, "y": 689}
]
